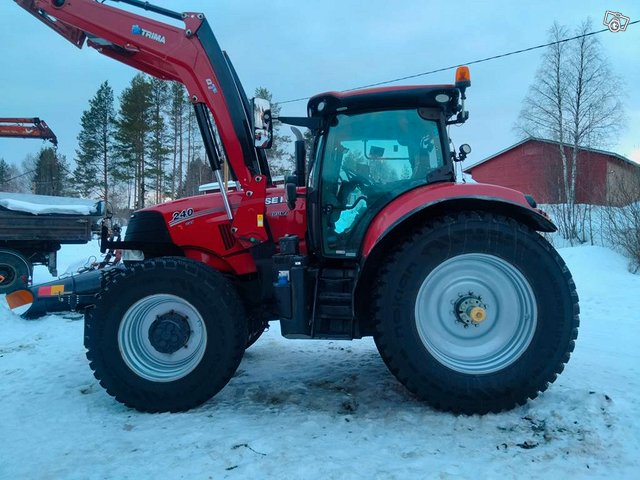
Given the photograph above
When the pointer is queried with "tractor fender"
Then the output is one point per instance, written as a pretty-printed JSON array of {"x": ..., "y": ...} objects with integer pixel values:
[{"x": 439, "y": 199}]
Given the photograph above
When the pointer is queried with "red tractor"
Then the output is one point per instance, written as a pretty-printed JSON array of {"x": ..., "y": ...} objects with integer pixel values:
[{"x": 470, "y": 308}]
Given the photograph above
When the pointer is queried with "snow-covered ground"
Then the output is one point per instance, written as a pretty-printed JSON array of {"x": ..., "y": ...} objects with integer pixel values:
[{"x": 325, "y": 409}]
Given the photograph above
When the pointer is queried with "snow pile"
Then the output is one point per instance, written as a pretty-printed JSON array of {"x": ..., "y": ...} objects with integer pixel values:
[
  {"x": 45, "y": 204},
  {"x": 327, "y": 409}
]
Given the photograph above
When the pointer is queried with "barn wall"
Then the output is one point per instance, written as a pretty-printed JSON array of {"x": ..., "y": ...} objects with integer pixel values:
[
  {"x": 591, "y": 184},
  {"x": 524, "y": 168},
  {"x": 623, "y": 182},
  {"x": 535, "y": 167}
]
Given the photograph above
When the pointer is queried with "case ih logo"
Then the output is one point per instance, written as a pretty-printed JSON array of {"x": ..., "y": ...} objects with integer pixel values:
[{"x": 138, "y": 30}]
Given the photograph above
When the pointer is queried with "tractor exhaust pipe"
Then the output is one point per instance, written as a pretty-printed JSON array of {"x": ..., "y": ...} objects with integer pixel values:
[{"x": 72, "y": 293}]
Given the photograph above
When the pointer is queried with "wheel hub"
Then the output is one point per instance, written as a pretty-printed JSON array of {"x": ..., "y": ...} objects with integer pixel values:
[
  {"x": 6, "y": 274},
  {"x": 169, "y": 332},
  {"x": 470, "y": 310}
]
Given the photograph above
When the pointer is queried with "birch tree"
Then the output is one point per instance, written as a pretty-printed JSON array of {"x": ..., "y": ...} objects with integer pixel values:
[{"x": 574, "y": 101}]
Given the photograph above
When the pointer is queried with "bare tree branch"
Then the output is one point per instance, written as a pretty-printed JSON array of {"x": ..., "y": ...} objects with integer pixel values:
[{"x": 575, "y": 101}]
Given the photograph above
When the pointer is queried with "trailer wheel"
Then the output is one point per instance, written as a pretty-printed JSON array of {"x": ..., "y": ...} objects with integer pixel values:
[
  {"x": 15, "y": 271},
  {"x": 475, "y": 313},
  {"x": 165, "y": 335}
]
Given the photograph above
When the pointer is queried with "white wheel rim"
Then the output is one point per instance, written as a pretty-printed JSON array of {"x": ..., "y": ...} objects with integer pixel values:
[
  {"x": 506, "y": 298},
  {"x": 136, "y": 347}
]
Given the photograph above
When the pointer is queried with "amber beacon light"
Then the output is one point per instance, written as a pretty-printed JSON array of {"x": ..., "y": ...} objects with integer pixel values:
[{"x": 463, "y": 77}]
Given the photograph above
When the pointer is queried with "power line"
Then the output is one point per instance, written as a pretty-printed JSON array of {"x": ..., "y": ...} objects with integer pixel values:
[
  {"x": 494, "y": 57},
  {"x": 17, "y": 176},
  {"x": 59, "y": 164}
]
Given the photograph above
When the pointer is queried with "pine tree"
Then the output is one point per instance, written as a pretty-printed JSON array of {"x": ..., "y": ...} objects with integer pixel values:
[
  {"x": 195, "y": 165},
  {"x": 50, "y": 175},
  {"x": 198, "y": 173},
  {"x": 178, "y": 112},
  {"x": 159, "y": 145},
  {"x": 94, "y": 161},
  {"x": 280, "y": 158},
  {"x": 133, "y": 137},
  {"x": 9, "y": 176}
]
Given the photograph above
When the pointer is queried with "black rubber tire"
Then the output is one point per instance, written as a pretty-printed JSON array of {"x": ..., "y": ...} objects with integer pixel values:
[
  {"x": 15, "y": 271},
  {"x": 406, "y": 355},
  {"x": 214, "y": 298},
  {"x": 256, "y": 329}
]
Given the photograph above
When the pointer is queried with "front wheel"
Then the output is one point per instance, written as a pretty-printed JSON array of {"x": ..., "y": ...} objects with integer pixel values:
[
  {"x": 475, "y": 313},
  {"x": 165, "y": 335}
]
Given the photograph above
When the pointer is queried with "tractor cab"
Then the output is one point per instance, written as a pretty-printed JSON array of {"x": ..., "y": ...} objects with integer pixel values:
[
  {"x": 365, "y": 159},
  {"x": 371, "y": 147}
]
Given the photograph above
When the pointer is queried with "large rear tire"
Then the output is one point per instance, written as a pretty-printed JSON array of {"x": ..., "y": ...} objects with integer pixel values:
[
  {"x": 256, "y": 328},
  {"x": 15, "y": 271},
  {"x": 475, "y": 313},
  {"x": 165, "y": 335}
]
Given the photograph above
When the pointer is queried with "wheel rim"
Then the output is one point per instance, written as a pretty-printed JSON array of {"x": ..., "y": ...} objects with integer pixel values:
[
  {"x": 138, "y": 332},
  {"x": 476, "y": 313},
  {"x": 7, "y": 275}
]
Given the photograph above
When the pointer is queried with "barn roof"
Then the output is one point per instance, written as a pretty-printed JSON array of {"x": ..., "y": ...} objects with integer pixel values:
[{"x": 552, "y": 142}]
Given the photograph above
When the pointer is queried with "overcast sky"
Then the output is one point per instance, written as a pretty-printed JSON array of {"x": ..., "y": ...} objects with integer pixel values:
[{"x": 297, "y": 49}]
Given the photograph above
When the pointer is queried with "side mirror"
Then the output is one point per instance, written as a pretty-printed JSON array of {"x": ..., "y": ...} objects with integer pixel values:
[
  {"x": 290, "y": 193},
  {"x": 262, "y": 124}
]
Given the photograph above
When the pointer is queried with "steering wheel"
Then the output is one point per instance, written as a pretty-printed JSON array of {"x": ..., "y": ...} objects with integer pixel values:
[{"x": 356, "y": 178}]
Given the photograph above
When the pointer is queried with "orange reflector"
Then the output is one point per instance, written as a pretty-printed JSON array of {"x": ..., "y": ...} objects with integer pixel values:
[
  {"x": 50, "y": 291},
  {"x": 463, "y": 77},
  {"x": 19, "y": 298}
]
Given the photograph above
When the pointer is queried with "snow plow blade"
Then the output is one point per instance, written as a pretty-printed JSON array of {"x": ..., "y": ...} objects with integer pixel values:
[
  {"x": 19, "y": 298},
  {"x": 72, "y": 293}
]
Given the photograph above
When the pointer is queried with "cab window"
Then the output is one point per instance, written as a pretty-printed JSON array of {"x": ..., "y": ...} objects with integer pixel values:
[{"x": 369, "y": 159}]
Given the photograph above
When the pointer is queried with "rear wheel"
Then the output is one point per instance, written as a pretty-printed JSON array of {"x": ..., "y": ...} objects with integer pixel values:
[
  {"x": 165, "y": 335},
  {"x": 15, "y": 271},
  {"x": 475, "y": 313}
]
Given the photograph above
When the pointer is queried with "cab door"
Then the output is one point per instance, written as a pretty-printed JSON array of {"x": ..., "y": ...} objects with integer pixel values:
[{"x": 367, "y": 160}]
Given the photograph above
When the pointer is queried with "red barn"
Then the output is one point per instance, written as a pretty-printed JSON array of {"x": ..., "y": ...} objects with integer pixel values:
[{"x": 534, "y": 166}]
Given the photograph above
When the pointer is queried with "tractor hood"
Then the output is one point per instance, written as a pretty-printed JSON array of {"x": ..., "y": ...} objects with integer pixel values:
[{"x": 167, "y": 221}]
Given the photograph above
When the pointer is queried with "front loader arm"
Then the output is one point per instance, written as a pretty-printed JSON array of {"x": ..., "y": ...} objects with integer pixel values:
[{"x": 189, "y": 55}]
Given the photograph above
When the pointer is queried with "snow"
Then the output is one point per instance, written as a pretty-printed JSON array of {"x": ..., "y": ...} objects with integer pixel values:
[
  {"x": 45, "y": 204},
  {"x": 326, "y": 409}
]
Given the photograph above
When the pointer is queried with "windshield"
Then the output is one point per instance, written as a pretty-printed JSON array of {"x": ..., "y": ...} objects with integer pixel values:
[
  {"x": 386, "y": 146},
  {"x": 369, "y": 159}
]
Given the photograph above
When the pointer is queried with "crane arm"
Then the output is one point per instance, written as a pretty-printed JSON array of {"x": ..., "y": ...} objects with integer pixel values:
[{"x": 26, "y": 128}]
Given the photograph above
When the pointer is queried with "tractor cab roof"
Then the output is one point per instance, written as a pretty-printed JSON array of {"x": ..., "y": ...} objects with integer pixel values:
[{"x": 444, "y": 97}]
